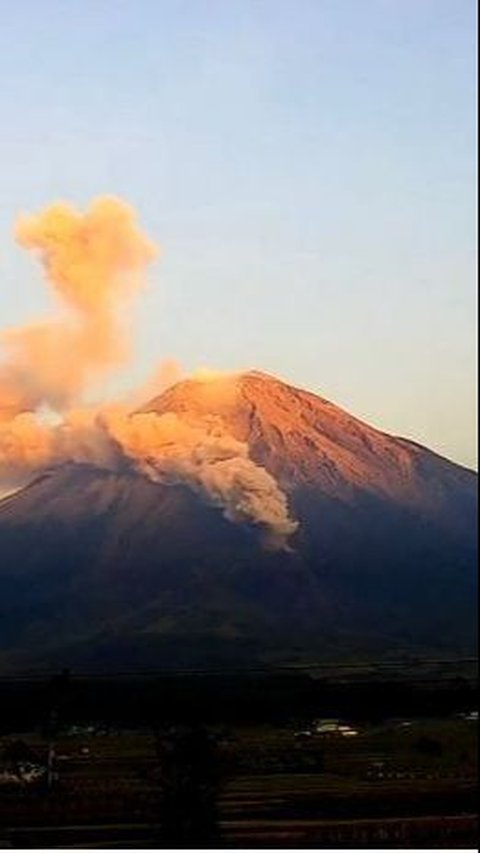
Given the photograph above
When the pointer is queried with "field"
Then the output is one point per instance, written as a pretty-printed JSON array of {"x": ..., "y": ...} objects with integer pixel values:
[{"x": 296, "y": 780}]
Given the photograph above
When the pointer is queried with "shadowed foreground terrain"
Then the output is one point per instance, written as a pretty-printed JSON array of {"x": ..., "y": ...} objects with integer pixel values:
[{"x": 351, "y": 756}]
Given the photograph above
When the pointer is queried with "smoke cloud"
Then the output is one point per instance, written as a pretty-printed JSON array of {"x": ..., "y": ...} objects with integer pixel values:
[
  {"x": 203, "y": 456},
  {"x": 95, "y": 264}
]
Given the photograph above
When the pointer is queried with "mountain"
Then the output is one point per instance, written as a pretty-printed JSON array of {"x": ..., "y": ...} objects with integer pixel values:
[{"x": 102, "y": 568}]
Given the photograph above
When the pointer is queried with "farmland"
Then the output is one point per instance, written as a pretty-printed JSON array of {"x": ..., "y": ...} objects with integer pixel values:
[{"x": 399, "y": 780}]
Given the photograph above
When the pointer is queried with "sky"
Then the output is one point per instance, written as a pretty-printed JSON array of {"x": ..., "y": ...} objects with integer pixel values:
[{"x": 308, "y": 168}]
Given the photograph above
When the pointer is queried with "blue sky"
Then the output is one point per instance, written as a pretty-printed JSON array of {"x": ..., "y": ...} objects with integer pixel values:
[{"x": 308, "y": 167}]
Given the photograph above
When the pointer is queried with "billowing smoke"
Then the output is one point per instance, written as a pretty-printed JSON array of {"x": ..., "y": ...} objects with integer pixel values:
[
  {"x": 26, "y": 446},
  {"x": 202, "y": 455},
  {"x": 95, "y": 263},
  {"x": 30, "y": 444}
]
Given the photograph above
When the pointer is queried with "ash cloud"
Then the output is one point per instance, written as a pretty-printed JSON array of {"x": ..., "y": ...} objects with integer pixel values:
[
  {"x": 95, "y": 263},
  {"x": 203, "y": 456}
]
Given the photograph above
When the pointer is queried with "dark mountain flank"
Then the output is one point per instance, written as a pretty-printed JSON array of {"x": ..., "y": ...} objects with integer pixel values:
[{"x": 103, "y": 568}]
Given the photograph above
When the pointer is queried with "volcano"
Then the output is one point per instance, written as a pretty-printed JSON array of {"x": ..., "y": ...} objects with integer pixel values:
[{"x": 104, "y": 568}]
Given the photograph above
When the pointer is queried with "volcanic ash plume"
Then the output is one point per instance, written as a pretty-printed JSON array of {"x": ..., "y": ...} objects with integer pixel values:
[
  {"x": 26, "y": 447},
  {"x": 201, "y": 455},
  {"x": 29, "y": 444},
  {"x": 164, "y": 448},
  {"x": 95, "y": 264}
]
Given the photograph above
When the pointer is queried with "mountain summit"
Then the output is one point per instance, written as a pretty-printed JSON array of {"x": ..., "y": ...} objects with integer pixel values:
[
  {"x": 307, "y": 442},
  {"x": 108, "y": 566}
]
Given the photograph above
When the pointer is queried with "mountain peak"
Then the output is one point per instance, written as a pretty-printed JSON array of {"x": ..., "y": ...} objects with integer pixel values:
[
  {"x": 213, "y": 393},
  {"x": 305, "y": 441}
]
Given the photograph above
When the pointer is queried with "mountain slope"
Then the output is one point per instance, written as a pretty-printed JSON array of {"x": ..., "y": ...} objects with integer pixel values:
[
  {"x": 100, "y": 567},
  {"x": 305, "y": 440}
]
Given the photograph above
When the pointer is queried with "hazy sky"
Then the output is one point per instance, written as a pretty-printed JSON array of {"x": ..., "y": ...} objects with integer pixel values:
[{"x": 308, "y": 167}]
